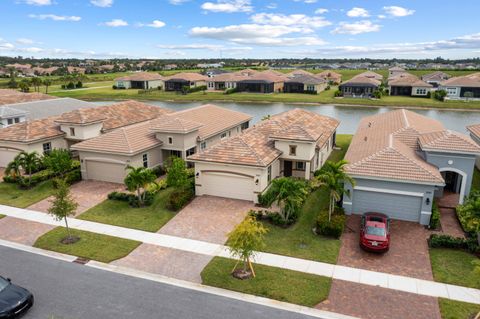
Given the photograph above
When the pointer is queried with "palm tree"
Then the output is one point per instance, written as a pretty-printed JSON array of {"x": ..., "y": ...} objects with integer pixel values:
[
  {"x": 29, "y": 162},
  {"x": 36, "y": 82},
  {"x": 13, "y": 168},
  {"x": 333, "y": 176},
  {"x": 138, "y": 179},
  {"x": 289, "y": 194},
  {"x": 47, "y": 83}
]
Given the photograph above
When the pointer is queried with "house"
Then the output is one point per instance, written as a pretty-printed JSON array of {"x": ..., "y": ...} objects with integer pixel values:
[
  {"x": 360, "y": 86},
  {"x": 395, "y": 71},
  {"x": 462, "y": 87},
  {"x": 9, "y": 96},
  {"x": 74, "y": 69},
  {"x": 435, "y": 78},
  {"x": 224, "y": 81},
  {"x": 140, "y": 80},
  {"x": 51, "y": 107},
  {"x": 297, "y": 73},
  {"x": 304, "y": 83},
  {"x": 401, "y": 161},
  {"x": 61, "y": 131},
  {"x": 371, "y": 75},
  {"x": 407, "y": 84},
  {"x": 178, "y": 81},
  {"x": 330, "y": 76},
  {"x": 10, "y": 116},
  {"x": 268, "y": 81},
  {"x": 474, "y": 131},
  {"x": 151, "y": 142},
  {"x": 293, "y": 143}
]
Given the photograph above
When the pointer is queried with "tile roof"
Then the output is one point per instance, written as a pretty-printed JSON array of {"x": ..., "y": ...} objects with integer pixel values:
[
  {"x": 175, "y": 124},
  {"x": 53, "y": 107},
  {"x": 213, "y": 119},
  {"x": 141, "y": 76},
  {"x": 127, "y": 140},
  {"x": 114, "y": 115},
  {"x": 8, "y": 96},
  {"x": 305, "y": 79},
  {"x": 187, "y": 76},
  {"x": 472, "y": 80},
  {"x": 295, "y": 73},
  {"x": 370, "y": 74},
  {"x": 6, "y": 111},
  {"x": 267, "y": 76},
  {"x": 361, "y": 80},
  {"x": 31, "y": 130},
  {"x": 447, "y": 140},
  {"x": 330, "y": 75},
  {"x": 246, "y": 72},
  {"x": 385, "y": 146},
  {"x": 407, "y": 79},
  {"x": 474, "y": 130},
  {"x": 435, "y": 76},
  {"x": 227, "y": 77},
  {"x": 255, "y": 146}
]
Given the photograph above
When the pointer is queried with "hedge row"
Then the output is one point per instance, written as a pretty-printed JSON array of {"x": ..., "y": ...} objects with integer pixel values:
[{"x": 447, "y": 241}]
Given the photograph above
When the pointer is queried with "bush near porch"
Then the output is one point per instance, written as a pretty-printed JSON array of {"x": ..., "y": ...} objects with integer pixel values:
[
  {"x": 451, "y": 309},
  {"x": 270, "y": 282},
  {"x": 469, "y": 213}
]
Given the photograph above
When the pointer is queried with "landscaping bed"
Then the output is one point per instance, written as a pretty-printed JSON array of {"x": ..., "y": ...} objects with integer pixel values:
[
  {"x": 451, "y": 309},
  {"x": 120, "y": 213},
  {"x": 12, "y": 195},
  {"x": 454, "y": 266},
  {"x": 93, "y": 246},
  {"x": 270, "y": 282}
]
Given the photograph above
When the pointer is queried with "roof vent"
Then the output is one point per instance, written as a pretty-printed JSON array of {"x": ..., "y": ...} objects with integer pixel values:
[
  {"x": 365, "y": 138},
  {"x": 369, "y": 124}
]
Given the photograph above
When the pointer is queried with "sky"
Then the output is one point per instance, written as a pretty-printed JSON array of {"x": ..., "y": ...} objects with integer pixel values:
[{"x": 240, "y": 28}]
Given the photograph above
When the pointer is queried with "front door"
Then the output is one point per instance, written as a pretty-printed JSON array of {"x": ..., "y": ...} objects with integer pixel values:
[
  {"x": 287, "y": 168},
  {"x": 451, "y": 181}
]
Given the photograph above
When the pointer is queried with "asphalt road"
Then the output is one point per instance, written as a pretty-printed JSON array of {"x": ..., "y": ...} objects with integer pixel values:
[{"x": 66, "y": 290}]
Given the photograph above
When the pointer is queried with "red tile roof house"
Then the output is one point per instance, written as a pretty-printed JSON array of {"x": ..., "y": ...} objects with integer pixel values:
[
  {"x": 177, "y": 81},
  {"x": 407, "y": 84},
  {"x": 140, "y": 80},
  {"x": 401, "y": 161},
  {"x": 462, "y": 87},
  {"x": 294, "y": 143}
]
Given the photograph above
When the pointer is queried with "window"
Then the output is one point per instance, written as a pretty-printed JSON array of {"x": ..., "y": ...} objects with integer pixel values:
[
  {"x": 72, "y": 131},
  {"x": 191, "y": 151},
  {"x": 47, "y": 147},
  {"x": 17, "y": 120},
  {"x": 170, "y": 140},
  {"x": 421, "y": 91},
  {"x": 145, "y": 160},
  {"x": 293, "y": 150},
  {"x": 244, "y": 126},
  {"x": 203, "y": 145},
  {"x": 174, "y": 153},
  {"x": 317, "y": 160},
  {"x": 300, "y": 166},
  {"x": 310, "y": 87},
  {"x": 452, "y": 91},
  {"x": 224, "y": 135},
  {"x": 269, "y": 174},
  {"x": 10, "y": 121}
]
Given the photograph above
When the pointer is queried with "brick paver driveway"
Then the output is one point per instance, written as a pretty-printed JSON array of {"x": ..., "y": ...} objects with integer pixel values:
[
  {"x": 370, "y": 302},
  {"x": 208, "y": 218},
  {"x": 86, "y": 193},
  {"x": 22, "y": 231},
  {"x": 408, "y": 254}
]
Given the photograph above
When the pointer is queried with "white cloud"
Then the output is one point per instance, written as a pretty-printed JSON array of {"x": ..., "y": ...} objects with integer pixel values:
[
  {"x": 116, "y": 23},
  {"x": 154, "y": 24},
  {"x": 382, "y": 16},
  {"x": 177, "y": 2},
  {"x": 299, "y": 20},
  {"x": 38, "y": 2},
  {"x": 272, "y": 5},
  {"x": 54, "y": 17},
  {"x": 102, "y": 3},
  {"x": 31, "y": 50},
  {"x": 282, "y": 41},
  {"x": 321, "y": 11},
  {"x": 193, "y": 46},
  {"x": 6, "y": 45},
  {"x": 364, "y": 26},
  {"x": 228, "y": 6},
  {"x": 395, "y": 11},
  {"x": 306, "y": 1},
  {"x": 24, "y": 41},
  {"x": 357, "y": 12}
]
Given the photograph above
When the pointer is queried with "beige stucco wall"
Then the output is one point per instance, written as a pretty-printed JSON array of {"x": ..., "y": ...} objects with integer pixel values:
[
  {"x": 305, "y": 151},
  {"x": 278, "y": 86},
  {"x": 156, "y": 84},
  {"x": 181, "y": 142},
  {"x": 82, "y": 132},
  {"x": 318, "y": 87},
  {"x": 414, "y": 90}
]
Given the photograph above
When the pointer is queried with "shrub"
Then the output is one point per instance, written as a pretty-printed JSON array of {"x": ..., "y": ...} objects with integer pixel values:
[
  {"x": 197, "y": 89},
  {"x": 440, "y": 95},
  {"x": 334, "y": 228},
  {"x": 159, "y": 170},
  {"x": 435, "y": 218},
  {"x": 70, "y": 85},
  {"x": 310, "y": 92},
  {"x": 338, "y": 93},
  {"x": 266, "y": 199},
  {"x": 468, "y": 213},
  {"x": 273, "y": 217},
  {"x": 377, "y": 94},
  {"x": 79, "y": 84},
  {"x": 131, "y": 199},
  {"x": 327, "y": 88},
  {"x": 429, "y": 94},
  {"x": 447, "y": 241},
  {"x": 179, "y": 198},
  {"x": 231, "y": 91},
  {"x": 114, "y": 87},
  {"x": 154, "y": 188}
]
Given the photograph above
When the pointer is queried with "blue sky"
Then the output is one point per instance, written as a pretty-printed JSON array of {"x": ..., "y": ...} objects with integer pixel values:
[{"x": 240, "y": 28}]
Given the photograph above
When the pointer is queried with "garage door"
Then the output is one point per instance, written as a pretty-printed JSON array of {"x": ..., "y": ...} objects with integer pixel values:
[
  {"x": 228, "y": 185},
  {"x": 401, "y": 207},
  {"x": 6, "y": 156},
  {"x": 104, "y": 171}
]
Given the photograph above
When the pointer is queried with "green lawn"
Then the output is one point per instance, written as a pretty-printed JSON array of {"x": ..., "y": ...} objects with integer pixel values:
[
  {"x": 119, "y": 213},
  {"x": 11, "y": 195},
  {"x": 270, "y": 282},
  {"x": 1, "y": 216},
  {"x": 454, "y": 267},
  {"x": 93, "y": 246},
  {"x": 451, "y": 309},
  {"x": 299, "y": 240}
]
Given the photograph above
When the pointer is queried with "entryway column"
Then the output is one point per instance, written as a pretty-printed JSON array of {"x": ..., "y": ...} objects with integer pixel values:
[{"x": 307, "y": 170}]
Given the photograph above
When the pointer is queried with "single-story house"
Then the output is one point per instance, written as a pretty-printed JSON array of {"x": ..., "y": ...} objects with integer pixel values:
[
  {"x": 360, "y": 86},
  {"x": 435, "y": 78},
  {"x": 140, "y": 80},
  {"x": 407, "y": 84},
  {"x": 224, "y": 81},
  {"x": 297, "y": 72},
  {"x": 294, "y": 143},
  {"x": 263, "y": 82},
  {"x": 10, "y": 96},
  {"x": 395, "y": 71},
  {"x": 50, "y": 107},
  {"x": 150, "y": 143},
  {"x": 330, "y": 76},
  {"x": 177, "y": 81},
  {"x": 304, "y": 83},
  {"x": 10, "y": 116},
  {"x": 475, "y": 135},
  {"x": 371, "y": 75},
  {"x": 462, "y": 87},
  {"x": 401, "y": 161}
]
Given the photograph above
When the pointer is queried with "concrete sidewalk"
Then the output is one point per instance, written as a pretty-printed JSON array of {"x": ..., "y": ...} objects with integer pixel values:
[{"x": 355, "y": 275}]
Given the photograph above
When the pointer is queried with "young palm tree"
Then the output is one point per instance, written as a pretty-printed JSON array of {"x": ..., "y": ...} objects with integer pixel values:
[
  {"x": 289, "y": 195},
  {"x": 138, "y": 179},
  {"x": 29, "y": 162},
  {"x": 47, "y": 83},
  {"x": 333, "y": 176},
  {"x": 13, "y": 168}
]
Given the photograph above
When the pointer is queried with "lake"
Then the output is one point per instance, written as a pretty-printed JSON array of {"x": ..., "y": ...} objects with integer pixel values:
[{"x": 349, "y": 116}]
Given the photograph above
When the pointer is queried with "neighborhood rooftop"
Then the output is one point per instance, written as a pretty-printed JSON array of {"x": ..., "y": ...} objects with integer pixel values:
[
  {"x": 50, "y": 107},
  {"x": 8, "y": 96},
  {"x": 141, "y": 76}
]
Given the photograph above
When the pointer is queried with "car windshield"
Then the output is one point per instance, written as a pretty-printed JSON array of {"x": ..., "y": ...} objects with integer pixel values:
[
  {"x": 376, "y": 231},
  {"x": 3, "y": 283}
]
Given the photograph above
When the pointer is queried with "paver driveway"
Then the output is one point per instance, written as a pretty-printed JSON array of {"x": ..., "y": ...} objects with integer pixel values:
[
  {"x": 408, "y": 254},
  {"x": 86, "y": 193},
  {"x": 22, "y": 231},
  {"x": 208, "y": 218}
]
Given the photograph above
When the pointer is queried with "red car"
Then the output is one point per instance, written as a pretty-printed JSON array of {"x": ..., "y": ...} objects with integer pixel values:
[{"x": 375, "y": 232}]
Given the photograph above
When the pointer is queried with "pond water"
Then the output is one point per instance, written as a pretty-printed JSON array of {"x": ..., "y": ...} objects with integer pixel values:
[{"x": 349, "y": 116}]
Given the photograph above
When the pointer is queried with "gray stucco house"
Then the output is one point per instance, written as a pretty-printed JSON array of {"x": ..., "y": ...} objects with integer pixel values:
[{"x": 401, "y": 161}]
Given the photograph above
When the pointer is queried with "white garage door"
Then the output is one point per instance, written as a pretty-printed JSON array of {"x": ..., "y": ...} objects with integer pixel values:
[
  {"x": 6, "y": 156},
  {"x": 401, "y": 207},
  {"x": 228, "y": 185},
  {"x": 104, "y": 171}
]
